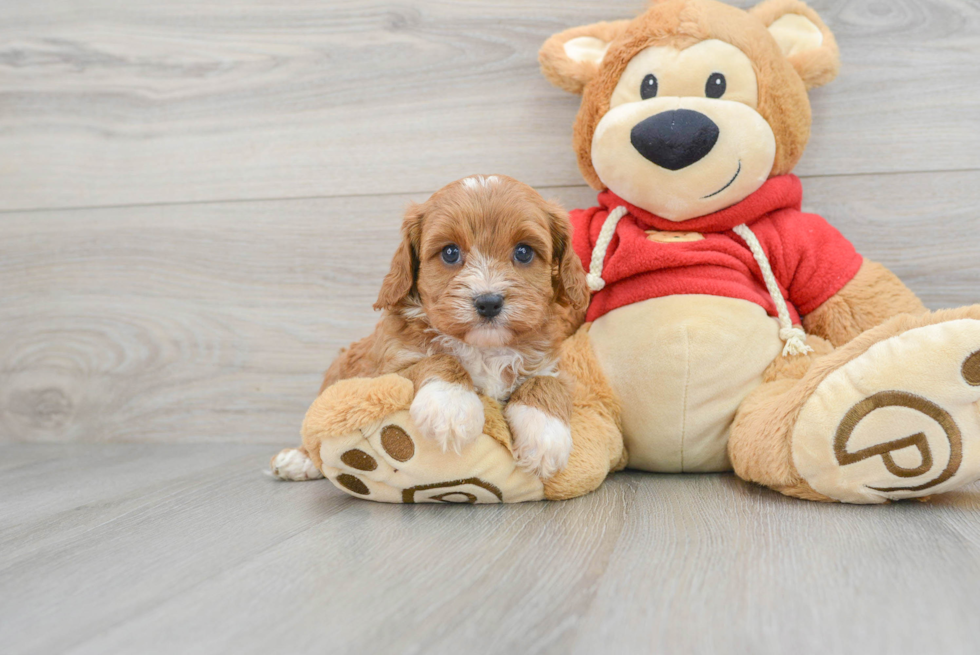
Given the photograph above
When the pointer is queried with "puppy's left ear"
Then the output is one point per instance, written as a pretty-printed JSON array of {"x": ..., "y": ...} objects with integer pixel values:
[
  {"x": 568, "y": 276},
  {"x": 804, "y": 38}
]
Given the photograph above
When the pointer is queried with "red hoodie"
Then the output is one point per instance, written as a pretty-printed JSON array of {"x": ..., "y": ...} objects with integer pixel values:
[{"x": 810, "y": 259}]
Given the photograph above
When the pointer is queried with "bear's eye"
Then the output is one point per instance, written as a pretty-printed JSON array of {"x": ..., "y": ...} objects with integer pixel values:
[
  {"x": 450, "y": 254},
  {"x": 715, "y": 88},
  {"x": 648, "y": 87},
  {"x": 523, "y": 253}
]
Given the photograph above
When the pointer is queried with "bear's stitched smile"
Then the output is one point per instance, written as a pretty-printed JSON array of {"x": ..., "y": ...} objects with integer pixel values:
[{"x": 727, "y": 185}]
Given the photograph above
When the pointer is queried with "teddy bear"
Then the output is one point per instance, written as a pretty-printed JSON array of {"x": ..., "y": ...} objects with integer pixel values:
[{"x": 728, "y": 330}]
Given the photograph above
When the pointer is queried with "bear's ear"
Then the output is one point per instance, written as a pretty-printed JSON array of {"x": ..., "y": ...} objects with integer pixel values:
[
  {"x": 570, "y": 59},
  {"x": 804, "y": 38}
]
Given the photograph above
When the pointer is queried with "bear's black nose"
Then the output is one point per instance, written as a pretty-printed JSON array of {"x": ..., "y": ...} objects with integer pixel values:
[
  {"x": 488, "y": 305},
  {"x": 675, "y": 139}
]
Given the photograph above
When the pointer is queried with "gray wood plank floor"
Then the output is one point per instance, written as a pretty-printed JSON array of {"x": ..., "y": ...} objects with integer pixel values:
[
  {"x": 124, "y": 548},
  {"x": 107, "y": 102}
]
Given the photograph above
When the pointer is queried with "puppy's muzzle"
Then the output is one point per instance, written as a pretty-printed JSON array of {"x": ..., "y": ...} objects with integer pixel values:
[
  {"x": 675, "y": 139},
  {"x": 488, "y": 305}
]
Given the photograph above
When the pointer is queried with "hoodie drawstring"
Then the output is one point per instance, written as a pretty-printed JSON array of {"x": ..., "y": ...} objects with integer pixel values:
[
  {"x": 794, "y": 337},
  {"x": 594, "y": 277}
]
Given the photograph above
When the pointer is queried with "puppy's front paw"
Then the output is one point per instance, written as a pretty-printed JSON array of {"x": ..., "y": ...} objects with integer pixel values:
[
  {"x": 542, "y": 443},
  {"x": 448, "y": 413}
]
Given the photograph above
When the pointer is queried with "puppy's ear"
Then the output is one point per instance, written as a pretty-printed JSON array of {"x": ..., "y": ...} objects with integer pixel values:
[
  {"x": 804, "y": 38},
  {"x": 571, "y": 58},
  {"x": 400, "y": 280},
  {"x": 568, "y": 276}
]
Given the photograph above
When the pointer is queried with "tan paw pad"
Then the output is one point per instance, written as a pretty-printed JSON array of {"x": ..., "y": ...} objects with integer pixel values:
[
  {"x": 900, "y": 421},
  {"x": 390, "y": 462}
]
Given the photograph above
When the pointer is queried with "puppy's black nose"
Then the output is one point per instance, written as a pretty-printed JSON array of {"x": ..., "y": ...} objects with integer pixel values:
[
  {"x": 675, "y": 139},
  {"x": 489, "y": 304}
]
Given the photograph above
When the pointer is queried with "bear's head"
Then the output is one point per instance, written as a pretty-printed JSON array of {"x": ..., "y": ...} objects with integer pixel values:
[{"x": 692, "y": 106}]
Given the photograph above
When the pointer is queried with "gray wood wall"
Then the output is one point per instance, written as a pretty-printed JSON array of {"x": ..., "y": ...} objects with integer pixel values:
[{"x": 198, "y": 199}]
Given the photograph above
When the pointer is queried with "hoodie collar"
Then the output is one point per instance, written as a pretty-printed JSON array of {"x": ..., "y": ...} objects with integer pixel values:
[{"x": 781, "y": 192}]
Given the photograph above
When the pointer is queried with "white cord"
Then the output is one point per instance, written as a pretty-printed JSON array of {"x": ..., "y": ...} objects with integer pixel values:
[
  {"x": 594, "y": 278},
  {"x": 794, "y": 337}
]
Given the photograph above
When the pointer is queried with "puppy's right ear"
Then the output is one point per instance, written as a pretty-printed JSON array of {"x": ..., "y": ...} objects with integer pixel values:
[
  {"x": 571, "y": 58},
  {"x": 400, "y": 280}
]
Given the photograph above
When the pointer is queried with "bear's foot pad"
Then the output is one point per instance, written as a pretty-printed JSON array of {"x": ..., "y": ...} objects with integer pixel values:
[
  {"x": 388, "y": 461},
  {"x": 902, "y": 420}
]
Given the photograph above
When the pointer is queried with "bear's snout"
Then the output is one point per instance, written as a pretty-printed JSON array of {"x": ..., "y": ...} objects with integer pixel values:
[{"x": 675, "y": 139}]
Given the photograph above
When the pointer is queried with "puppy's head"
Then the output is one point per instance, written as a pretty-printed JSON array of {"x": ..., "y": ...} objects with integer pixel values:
[{"x": 485, "y": 260}]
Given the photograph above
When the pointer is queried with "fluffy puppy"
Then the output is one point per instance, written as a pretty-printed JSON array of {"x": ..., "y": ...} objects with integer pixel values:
[{"x": 482, "y": 290}]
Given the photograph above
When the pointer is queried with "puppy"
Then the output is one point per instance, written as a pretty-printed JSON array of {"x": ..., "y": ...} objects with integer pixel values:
[{"x": 482, "y": 290}]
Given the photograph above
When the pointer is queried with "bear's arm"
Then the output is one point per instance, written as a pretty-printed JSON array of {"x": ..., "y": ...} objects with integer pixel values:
[{"x": 872, "y": 297}]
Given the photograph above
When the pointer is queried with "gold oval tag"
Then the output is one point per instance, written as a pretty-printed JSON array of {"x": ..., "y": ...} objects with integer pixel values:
[{"x": 673, "y": 237}]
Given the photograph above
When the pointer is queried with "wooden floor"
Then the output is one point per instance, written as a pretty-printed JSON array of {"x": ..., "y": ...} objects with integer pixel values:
[
  {"x": 198, "y": 201},
  {"x": 135, "y": 548}
]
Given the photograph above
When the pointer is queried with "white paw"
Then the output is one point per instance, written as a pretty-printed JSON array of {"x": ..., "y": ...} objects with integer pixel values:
[
  {"x": 448, "y": 413},
  {"x": 292, "y": 464},
  {"x": 542, "y": 443}
]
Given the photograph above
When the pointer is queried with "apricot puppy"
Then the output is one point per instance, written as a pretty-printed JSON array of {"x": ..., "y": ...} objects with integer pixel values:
[{"x": 482, "y": 290}]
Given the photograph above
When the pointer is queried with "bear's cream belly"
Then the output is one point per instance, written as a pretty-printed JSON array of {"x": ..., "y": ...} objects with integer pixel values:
[{"x": 681, "y": 366}]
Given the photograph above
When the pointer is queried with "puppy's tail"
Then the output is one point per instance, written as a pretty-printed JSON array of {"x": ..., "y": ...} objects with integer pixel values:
[{"x": 293, "y": 465}]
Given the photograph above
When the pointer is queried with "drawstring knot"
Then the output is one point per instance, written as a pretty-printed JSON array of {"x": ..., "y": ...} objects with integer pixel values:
[
  {"x": 595, "y": 282},
  {"x": 795, "y": 340},
  {"x": 794, "y": 337}
]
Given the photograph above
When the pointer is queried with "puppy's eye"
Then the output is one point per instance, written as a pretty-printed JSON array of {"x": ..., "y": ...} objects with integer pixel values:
[
  {"x": 715, "y": 88},
  {"x": 648, "y": 87},
  {"x": 523, "y": 253},
  {"x": 450, "y": 254}
]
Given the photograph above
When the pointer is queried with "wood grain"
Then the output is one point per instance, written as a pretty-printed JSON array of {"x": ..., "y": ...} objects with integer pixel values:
[
  {"x": 213, "y": 322},
  {"x": 199, "y": 202},
  {"x": 103, "y": 103},
  {"x": 204, "y": 558}
]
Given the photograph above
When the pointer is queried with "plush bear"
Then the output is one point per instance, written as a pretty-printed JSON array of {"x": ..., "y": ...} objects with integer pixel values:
[{"x": 728, "y": 329}]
